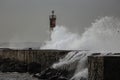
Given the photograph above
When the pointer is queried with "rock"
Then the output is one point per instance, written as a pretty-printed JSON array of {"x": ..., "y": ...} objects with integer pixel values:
[
  {"x": 34, "y": 67},
  {"x": 8, "y": 65},
  {"x": 52, "y": 74},
  {"x": 53, "y": 78},
  {"x": 21, "y": 67},
  {"x": 62, "y": 78},
  {"x": 82, "y": 78}
]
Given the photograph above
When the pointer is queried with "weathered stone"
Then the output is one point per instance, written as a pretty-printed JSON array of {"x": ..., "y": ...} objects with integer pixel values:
[
  {"x": 8, "y": 65},
  {"x": 34, "y": 67},
  {"x": 52, "y": 74},
  {"x": 44, "y": 57},
  {"x": 104, "y": 67}
]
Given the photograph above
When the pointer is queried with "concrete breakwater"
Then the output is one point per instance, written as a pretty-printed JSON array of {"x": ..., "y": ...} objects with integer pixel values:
[
  {"x": 105, "y": 67},
  {"x": 44, "y": 57}
]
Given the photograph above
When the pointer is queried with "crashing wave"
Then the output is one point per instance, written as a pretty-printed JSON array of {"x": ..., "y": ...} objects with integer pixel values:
[{"x": 103, "y": 37}]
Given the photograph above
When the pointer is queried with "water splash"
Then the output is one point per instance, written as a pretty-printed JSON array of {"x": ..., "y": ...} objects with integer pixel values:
[
  {"x": 103, "y": 37},
  {"x": 74, "y": 61},
  {"x": 60, "y": 39}
]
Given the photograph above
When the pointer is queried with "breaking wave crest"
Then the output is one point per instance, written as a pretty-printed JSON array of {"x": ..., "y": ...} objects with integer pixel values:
[{"x": 103, "y": 36}]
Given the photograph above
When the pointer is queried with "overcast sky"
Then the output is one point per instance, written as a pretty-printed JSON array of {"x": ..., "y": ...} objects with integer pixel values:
[{"x": 28, "y": 20}]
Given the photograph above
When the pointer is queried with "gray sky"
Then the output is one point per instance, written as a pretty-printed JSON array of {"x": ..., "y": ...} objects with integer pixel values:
[{"x": 28, "y": 20}]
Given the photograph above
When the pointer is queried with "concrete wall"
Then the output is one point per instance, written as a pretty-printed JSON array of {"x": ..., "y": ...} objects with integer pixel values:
[
  {"x": 104, "y": 67},
  {"x": 95, "y": 68},
  {"x": 45, "y": 57}
]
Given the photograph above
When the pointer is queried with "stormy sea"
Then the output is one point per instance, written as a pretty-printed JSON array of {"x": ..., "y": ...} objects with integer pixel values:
[{"x": 103, "y": 36}]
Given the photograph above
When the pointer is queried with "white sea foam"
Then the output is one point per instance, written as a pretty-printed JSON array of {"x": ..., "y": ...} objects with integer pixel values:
[{"x": 103, "y": 36}]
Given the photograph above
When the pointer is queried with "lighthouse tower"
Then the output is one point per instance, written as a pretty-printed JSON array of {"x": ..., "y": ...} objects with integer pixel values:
[{"x": 52, "y": 21}]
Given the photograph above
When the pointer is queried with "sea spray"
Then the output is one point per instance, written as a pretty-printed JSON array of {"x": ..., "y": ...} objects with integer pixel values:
[
  {"x": 60, "y": 39},
  {"x": 70, "y": 61},
  {"x": 75, "y": 60},
  {"x": 103, "y": 36}
]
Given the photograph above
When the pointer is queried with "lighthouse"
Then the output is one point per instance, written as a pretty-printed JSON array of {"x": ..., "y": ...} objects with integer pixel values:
[{"x": 52, "y": 19}]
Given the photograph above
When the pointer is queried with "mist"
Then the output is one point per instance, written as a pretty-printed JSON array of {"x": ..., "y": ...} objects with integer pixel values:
[{"x": 103, "y": 35}]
